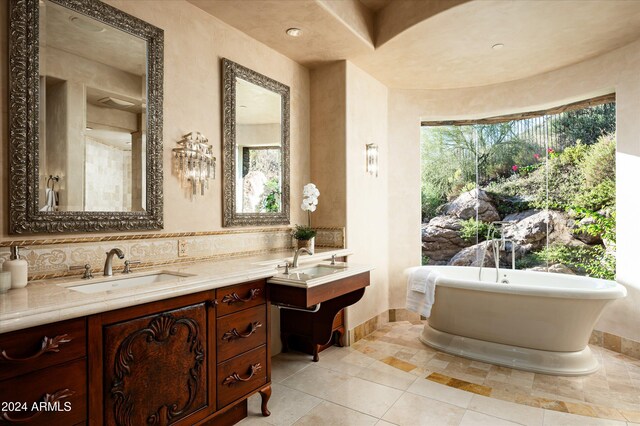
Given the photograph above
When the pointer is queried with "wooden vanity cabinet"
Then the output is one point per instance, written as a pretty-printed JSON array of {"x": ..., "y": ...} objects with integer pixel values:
[
  {"x": 45, "y": 366},
  {"x": 189, "y": 360}
]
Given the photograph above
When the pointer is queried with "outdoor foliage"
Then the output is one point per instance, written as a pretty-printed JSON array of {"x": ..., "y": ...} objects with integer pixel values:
[
  {"x": 472, "y": 228},
  {"x": 521, "y": 173},
  {"x": 586, "y": 125}
]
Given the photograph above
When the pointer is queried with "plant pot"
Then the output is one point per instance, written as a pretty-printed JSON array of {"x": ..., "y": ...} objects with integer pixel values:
[{"x": 308, "y": 244}]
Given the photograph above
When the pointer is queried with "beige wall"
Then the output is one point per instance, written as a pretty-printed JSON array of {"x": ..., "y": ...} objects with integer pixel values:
[
  {"x": 618, "y": 70},
  {"x": 328, "y": 143},
  {"x": 367, "y": 195},
  {"x": 349, "y": 110},
  {"x": 194, "y": 44}
]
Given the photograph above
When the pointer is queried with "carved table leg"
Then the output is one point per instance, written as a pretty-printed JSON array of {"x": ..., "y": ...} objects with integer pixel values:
[
  {"x": 316, "y": 348},
  {"x": 339, "y": 337},
  {"x": 265, "y": 394}
]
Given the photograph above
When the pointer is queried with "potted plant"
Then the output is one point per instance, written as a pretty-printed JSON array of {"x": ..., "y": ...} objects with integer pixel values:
[{"x": 305, "y": 235}]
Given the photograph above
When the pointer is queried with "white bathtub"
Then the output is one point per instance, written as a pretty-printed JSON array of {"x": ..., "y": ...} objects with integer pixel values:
[{"x": 538, "y": 322}]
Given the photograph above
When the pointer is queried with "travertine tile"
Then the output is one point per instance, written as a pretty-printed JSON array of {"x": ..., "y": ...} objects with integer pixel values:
[
  {"x": 553, "y": 418},
  {"x": 398, "y": 363},
  {"x": 387, "y": 375},
  {"x": 472, "y": 418},
  {"x": 612, "y": 342},
  {"x": 364, "y": 396},
  {"x": 284, "y": 365},
  {"x": 316, "y": 381},
  {"x": 441, "y": 392},
  {"x": 414, "y": 410},
  {"x": 518, "y": 413},
  {"x": 286, "y": 405},
  {"x": 336, "y": 415}
]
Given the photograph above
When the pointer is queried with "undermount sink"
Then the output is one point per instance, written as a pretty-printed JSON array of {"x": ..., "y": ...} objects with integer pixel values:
[
  {"x": 305, "y": 274},
  {"x": 311, "y": 276},
  {"x": 123, "y": 283}
]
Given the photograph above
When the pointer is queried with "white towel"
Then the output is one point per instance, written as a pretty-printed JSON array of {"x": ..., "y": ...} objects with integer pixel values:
[
  {"x": 421, "y": 291},
  {"x": 50, "y": 196}
]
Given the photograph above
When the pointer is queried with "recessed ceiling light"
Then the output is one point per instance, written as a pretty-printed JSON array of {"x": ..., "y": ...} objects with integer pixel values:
[
  {"x": 243, "y": 106},
  {"x": 497, "y": 46},
  {"x": 294, "y": 32}
]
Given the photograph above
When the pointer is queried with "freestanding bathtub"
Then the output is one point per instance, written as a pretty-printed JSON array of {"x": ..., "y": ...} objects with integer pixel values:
[{"x": 538, "y": 321}]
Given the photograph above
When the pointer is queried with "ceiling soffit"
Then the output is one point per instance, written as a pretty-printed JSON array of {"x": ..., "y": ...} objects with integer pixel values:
[{"x": 437, "y": 44}]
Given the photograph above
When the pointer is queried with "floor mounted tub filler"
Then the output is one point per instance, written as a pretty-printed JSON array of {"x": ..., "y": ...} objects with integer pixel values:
[{"x": 534, "y": 321}]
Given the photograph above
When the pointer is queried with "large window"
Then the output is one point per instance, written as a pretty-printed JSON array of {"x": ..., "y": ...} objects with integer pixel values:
[{"x": 551, "y": 177}]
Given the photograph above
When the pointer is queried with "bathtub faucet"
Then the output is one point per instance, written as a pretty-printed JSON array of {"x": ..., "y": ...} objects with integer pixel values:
[{"x": 497, "y": 244}]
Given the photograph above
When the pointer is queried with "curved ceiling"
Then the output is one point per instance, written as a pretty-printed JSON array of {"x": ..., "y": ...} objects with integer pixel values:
[{"x": 438, "y": 44}]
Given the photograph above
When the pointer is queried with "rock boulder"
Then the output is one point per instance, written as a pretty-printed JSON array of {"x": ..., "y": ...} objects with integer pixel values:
[
  {"x": 441, "y": 239},
  {"x": 464, "y": 207}
]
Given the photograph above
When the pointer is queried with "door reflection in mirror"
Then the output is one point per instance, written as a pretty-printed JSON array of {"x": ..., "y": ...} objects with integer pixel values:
[{"x": 92, "y": 113}]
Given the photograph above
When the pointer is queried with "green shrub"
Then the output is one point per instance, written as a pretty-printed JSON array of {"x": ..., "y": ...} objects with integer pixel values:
[
  {"x": 595, "y": 198},
  {"x": 603, "y": 226},
  {"x": 600, "y": 163},
  {"x": 585, "y": 124},
  {"x": 472, "y": 229},
  {"x": 593, "y": 261}
]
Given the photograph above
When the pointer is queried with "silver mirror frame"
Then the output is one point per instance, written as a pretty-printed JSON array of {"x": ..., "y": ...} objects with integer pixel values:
[
  {"x": 24, "y": 105},
  {"x": 230, "y": 217}
]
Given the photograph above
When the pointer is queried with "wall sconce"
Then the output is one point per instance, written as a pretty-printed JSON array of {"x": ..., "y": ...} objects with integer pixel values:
[
  {"x": 372, "y": 159},
  {"x": 194, "y": 162}
]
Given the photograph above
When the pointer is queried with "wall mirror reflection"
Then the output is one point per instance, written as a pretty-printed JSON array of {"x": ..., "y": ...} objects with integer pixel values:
[
  {"x": 93, "y": 112},
  {"x": 87, "y": 152},
  {"x": 256, "y": 148}
]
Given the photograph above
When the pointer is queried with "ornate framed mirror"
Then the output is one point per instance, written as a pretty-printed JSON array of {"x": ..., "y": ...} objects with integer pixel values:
[
  {"x": 85, "y": 132},
  {"x": 255, "y": 148}
]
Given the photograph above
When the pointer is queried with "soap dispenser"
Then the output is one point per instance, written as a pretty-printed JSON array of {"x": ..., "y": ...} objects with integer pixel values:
[{"x": 19, "y": 268}]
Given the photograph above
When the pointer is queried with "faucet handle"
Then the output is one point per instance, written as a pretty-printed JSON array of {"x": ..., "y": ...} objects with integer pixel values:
[
  {"x": 333, "y": 259},
  {"x": 127, "y": 265},
  {"x": 87, "y": 270},
  {"x": 286, "y": 267}
]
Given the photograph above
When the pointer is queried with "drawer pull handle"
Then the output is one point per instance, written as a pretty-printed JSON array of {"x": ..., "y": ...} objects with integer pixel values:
[
  {"x": 235, "y": 334},
  {"x": 235, "y": 377},
  {"x": 46, "y": 399},
  {"x": 235, "y": 298},
  {"x": 48, "y": 345}
]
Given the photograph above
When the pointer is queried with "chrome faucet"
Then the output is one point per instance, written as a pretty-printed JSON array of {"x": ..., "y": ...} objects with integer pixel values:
[
  {"x": 298, "y": 251},
  {"x": 496, "y": 246},
  {"x": 108, "y": 270}
]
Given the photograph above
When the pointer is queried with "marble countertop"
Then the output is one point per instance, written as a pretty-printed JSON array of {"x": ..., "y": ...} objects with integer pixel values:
[{"x": 48, "y": 301}]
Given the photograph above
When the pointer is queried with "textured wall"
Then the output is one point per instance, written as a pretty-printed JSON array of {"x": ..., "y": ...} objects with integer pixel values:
[{"x": 349, "y": 110}]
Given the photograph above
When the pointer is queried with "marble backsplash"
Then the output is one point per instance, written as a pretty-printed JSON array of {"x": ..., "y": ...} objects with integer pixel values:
[{"x": 50, "y": 258}]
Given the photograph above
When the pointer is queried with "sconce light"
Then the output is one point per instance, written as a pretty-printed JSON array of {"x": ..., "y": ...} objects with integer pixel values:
[
  {"x": 372, "y": 159},
  {"x": 194, "y": 162}
]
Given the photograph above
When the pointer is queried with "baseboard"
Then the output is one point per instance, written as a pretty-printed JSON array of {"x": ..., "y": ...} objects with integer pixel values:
[{"x": 615, "y": 343}]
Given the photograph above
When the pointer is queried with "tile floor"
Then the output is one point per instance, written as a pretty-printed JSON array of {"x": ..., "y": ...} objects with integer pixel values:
[{"x": 390, "y": 378}]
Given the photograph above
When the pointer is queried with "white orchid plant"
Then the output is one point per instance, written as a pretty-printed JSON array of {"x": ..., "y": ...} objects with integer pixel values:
[{"x": 309, "y": 205}]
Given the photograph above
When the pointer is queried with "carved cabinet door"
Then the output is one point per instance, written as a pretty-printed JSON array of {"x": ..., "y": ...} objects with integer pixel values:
[{"x": 155, "y": 367}]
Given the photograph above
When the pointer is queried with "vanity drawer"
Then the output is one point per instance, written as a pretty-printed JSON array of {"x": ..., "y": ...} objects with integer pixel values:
[
  {"x": 239, "y": 332},
  {"x": 62, "y": 391},
  {"x": 35, "y": 348},
  {"x": 235, "y": 298},
  {"x": 241, "y": 375}
]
